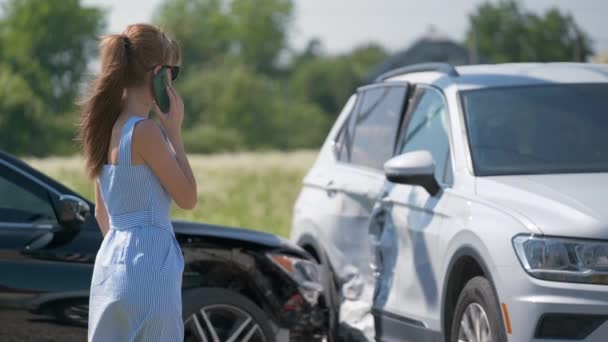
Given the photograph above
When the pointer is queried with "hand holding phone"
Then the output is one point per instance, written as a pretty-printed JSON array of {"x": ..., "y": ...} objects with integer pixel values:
[
  {"x": 159, "y": 85},
  {"x": 172, "y": 117}
]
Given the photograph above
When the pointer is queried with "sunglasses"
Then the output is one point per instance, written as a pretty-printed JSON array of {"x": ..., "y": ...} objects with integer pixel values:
[{"x": 174, "y": 71}]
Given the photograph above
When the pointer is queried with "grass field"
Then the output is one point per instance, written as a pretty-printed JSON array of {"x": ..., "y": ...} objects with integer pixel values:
[{"x": 253, "y": 190}]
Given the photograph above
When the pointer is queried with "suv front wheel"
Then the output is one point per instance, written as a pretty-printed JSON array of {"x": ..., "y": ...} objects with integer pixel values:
[{"x": 477, "y": 317}]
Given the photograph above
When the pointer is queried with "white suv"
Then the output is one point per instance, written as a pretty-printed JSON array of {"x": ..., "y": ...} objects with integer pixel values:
[{"x": 483, "y": 191}]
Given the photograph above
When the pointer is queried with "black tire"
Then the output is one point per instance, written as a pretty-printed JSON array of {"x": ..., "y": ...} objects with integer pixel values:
[
  {"x": 479, "y": 291},
  {"x": 213, "y": 298}
]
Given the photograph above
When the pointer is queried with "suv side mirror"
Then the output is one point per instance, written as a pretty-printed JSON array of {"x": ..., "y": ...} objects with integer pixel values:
[
  {"x": 72, "y": 211},
  {"x": 414, "y": 168}
]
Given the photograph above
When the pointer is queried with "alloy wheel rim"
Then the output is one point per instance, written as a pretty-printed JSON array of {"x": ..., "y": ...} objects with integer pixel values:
[
  {"x": 222, "y": 323},
  {"x": 474, "y": 325}
]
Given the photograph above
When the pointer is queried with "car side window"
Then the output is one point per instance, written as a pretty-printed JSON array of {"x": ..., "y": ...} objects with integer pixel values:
[
  {"x": 344, "y": 140},
  {"x": 375, "y": 126},
  {"x": 20, "y": 204},
  {"x": 427, "y": 129}
]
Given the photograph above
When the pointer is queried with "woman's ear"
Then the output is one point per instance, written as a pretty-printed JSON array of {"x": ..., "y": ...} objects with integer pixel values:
[
  {"x": 156, "y": 69},
  {"x": 169, "y": 78}
]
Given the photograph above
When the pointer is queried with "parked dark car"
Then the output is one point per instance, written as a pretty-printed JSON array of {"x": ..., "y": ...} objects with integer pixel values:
[{"x": 238, "y": 285}]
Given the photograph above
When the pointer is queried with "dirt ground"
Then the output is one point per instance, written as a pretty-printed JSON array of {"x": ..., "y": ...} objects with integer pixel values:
[{"x": 21, "y": 326}]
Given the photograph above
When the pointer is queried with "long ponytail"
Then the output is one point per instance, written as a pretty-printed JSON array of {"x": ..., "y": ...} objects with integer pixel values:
[
  {"x": 105, "y": 104},
  {"x": 125, "y": 60}
]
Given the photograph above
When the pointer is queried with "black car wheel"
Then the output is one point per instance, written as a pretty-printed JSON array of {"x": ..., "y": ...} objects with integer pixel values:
[
  {"x": 477, "y": 317},
  {"x": 219, "y": 315}
]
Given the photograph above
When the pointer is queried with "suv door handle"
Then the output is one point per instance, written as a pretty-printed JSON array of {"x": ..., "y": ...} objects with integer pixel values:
[{"x": 331, "y": 188}]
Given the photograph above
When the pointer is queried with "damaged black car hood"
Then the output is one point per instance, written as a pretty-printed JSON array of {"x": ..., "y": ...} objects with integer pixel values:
[{"x": 238, "y": 236}]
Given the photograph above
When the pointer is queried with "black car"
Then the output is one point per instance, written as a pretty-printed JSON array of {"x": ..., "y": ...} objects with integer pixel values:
[{"x": 238, "y": 285}]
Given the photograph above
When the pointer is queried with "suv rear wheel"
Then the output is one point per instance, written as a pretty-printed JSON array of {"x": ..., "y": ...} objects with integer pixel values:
[{"x": 477, "y": 316}]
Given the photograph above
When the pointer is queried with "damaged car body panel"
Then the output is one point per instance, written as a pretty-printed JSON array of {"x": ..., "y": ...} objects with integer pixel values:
[
  {"x": 490, "y": 219},
  {"x": 415, "y": 218},
  {"x": 335, "y": 205},
  {"x": 48, "y": 244},
  {"x": 244, "y": 264}
]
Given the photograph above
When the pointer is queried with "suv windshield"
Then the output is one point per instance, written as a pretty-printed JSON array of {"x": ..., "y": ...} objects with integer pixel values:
[{"x": 538, "y": 129}]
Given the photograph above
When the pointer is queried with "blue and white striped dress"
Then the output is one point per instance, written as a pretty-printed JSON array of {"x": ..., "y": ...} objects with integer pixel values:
[{"x": 136, "y": 284}]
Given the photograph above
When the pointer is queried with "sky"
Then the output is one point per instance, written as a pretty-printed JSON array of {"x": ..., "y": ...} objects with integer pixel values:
[{"x": 343, "y": 24}]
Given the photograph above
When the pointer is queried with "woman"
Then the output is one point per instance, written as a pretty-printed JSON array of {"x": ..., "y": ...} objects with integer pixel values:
[{"x": 138, "y": 169}]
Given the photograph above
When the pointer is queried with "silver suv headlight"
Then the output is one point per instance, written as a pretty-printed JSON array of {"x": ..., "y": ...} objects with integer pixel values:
[{"x": 563, "y": 259}]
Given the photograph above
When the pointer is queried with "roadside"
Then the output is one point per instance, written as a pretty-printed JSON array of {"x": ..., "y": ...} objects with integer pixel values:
[{"x": 252, "y": 189}]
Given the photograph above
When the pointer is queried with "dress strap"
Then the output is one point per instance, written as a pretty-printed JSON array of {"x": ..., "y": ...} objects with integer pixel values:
[{"x": 124, "y": 149}]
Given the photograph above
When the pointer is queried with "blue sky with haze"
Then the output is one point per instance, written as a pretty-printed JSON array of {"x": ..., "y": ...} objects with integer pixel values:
[{"x": 343, "y": 24}]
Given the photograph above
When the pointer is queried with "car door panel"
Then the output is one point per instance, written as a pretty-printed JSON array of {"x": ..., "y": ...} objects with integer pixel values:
[
  {"x": 411, "y": 220},
  {"x": 315, "y": 210},
  {"x": 44, "y": 270},
  {"x": 340, "y": 191},
  {"x": 360, "y": 182},
  {"x": 354, "y": 199},
  {"x": 373, "y": 129},
  {"x": 414, "y": 224}
]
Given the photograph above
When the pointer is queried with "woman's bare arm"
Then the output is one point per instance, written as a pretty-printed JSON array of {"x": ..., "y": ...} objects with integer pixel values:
[
  {"x": 101, "y": 213},
  {"x": 174, "y": 173},
  {"x": 180, "y": 155}
]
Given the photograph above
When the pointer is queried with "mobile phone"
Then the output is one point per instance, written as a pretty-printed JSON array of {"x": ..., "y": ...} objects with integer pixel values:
[{"x": 159, "y": 85}]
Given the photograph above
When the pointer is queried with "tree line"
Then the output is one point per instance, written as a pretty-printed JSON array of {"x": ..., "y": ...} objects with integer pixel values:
[{"x": 244, "y": 87}]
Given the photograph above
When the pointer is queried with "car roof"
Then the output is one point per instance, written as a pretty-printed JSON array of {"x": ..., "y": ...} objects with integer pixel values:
[{"x": 503, "y": 75}]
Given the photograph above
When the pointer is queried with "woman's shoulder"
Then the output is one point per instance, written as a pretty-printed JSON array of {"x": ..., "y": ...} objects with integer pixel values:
[
  {"x": 147, "y": 134},
  {"x": 146, "y": 128}
]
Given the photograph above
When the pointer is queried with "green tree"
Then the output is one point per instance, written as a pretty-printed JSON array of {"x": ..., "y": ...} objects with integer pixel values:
[
  {"x": 233, "y": 106},
  {"x": 329, "y": 80},
  {"x": 261, "y": 28},
  {"x": 237, "y": 94},
  {"x": 504, "y": 32},
  {"x": 21, "y": 123},
  {"x": 50, "y": 44},
  {"x": 313, "y": 50},
  {"x": 560, "y": 37},
  {"x": 202, "y": 27},
  {"x": 252, "y": 30}
]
